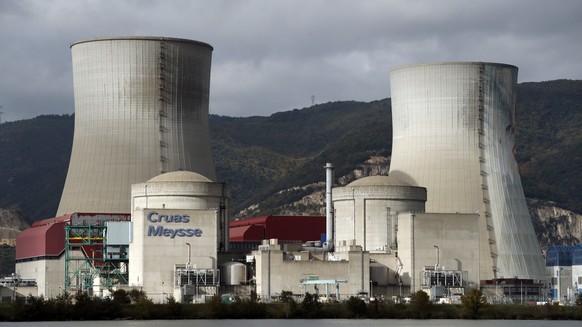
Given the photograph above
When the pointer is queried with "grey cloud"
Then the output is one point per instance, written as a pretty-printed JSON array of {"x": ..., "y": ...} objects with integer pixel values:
[{"x": 273, "y": 56}]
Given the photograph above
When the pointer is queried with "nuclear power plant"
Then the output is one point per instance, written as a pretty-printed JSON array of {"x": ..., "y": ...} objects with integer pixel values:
[
  {"x": 141, "y": 110},
  {"x": 141, "y": 207}
]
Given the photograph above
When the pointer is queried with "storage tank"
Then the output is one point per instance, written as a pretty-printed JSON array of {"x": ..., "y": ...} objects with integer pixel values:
[
  {"x": 141, "y": 110},
  {"x": 366, "y": 210},
  {"x": 234, "y": 273},
  {"x": 454, "y": 133}
]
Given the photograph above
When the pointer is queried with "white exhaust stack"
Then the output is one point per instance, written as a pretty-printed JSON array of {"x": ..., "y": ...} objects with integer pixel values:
[{"x": 328, "y": 207}]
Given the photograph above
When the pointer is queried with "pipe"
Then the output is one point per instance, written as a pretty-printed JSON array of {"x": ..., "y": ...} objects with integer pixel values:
[
  {"x": 328, "y": 207},
  {"x": 438, "y": 256},
  {"x": 189, "y": 255}
]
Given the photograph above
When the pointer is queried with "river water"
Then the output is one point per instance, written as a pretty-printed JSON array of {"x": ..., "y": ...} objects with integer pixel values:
[{"x": 300, "y": 323}]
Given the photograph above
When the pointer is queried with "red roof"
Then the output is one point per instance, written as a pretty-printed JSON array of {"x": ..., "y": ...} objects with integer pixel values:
[
  {"x": 47, "y": 237},
  {"x": 246, "y": 233},
  {"x": 60, "y": 219},
  {"x": 41, "y": 241},
  {"x": 284, "y": 228}
]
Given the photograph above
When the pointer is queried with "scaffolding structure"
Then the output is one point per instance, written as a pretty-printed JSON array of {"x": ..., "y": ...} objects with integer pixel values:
[
  {"x": 448, "y": 278},
  {"x": 195, "y": 282},
  {"x": 316, "y": 282},
  {"x": 443, "y": 284},
  {"x": 90, "y": 262}
]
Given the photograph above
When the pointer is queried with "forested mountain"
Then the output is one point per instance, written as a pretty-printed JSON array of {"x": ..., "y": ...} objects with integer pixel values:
[{"x": 269, "y": 162}]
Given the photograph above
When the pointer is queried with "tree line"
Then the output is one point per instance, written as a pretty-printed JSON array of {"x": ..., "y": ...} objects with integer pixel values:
[{"x": 136, "y": 305}]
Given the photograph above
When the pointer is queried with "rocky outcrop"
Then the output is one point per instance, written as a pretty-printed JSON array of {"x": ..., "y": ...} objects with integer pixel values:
[
  {"x": 554, "y": 225},
  {"x": 11, "y": 224}
]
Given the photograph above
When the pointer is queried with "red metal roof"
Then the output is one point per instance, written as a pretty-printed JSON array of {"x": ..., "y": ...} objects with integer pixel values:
[
  {"x": 60, "y": 219},
  {"x": 84, "y": 218},
  {"x": 41, "y": 241},
  {"x": 284, "y": 228},
  {"x": 47, "y": 237},
  {"x": 246, "y": 233}
]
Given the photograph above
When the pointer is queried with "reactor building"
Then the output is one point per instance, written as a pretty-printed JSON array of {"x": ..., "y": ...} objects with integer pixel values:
[
  {"x": 141, "y": 110},
  {"x": 454, "y": 133}
]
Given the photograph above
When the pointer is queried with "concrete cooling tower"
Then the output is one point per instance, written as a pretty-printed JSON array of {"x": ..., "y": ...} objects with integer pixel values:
[
  {"x": 453, "y": 133},
  {"x": 141, "y": 110}
]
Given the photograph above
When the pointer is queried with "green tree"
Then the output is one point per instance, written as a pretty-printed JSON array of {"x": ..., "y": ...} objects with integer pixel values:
[
  {"x": 290, "y": 306},
  {"x": 61, "y": 306},
  {"x": 357, "y": 307},
  {"x": 311, "y": 306},
  {"x": 137, "y": 295},
  {"x": 286, "y": 296},
  {"x": 120, "y": 296},
  {"x": 85, "y": 306},
  {"x": 420, "y": 305},
  {"x": 215, "y": 309},
  {"x": 473, "y": 301}
]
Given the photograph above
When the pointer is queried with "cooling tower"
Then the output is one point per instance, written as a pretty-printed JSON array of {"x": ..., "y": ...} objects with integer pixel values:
[
  {"x": 453, "y": 133},
  {"x": 141, "y": 109}
]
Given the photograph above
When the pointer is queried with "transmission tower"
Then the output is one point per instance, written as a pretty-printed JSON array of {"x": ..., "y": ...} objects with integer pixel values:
[{"x": 1, "y": 113}]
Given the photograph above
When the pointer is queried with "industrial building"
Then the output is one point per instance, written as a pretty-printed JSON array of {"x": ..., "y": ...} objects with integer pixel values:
[
  {"x": 564, "y": 267},
  {"x": 451, "y": 215},
  {"x": 72, "y": 252}
]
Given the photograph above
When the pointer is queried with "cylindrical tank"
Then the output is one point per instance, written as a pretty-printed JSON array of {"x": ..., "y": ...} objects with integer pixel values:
[
  {"x": 233, "y": 273},
  {"x": 453, "y": 133},
  {"x": 141, "y": 109},
  {"x": 379, "y": 274},
  {"x": 365, "y": 211}
]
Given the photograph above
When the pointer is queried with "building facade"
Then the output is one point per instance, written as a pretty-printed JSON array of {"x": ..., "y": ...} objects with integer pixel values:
[{"x": 179, "y": 227}]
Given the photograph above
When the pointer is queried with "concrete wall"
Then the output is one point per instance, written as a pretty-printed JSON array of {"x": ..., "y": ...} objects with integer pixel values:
[
  {"x": 159, "y": 246},
  {"x": 275, "y": 273},
  {"x": 564, "y": 283},
  {"x": 577, "y": 279},
  {"x": 49, "y": 276},
  {"x": 457, "y": 238}
]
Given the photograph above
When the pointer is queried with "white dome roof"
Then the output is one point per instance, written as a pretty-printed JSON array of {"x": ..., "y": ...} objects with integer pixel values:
[
  {"x": 378, "y": 181},
  {"x": 180, "y": 176}
]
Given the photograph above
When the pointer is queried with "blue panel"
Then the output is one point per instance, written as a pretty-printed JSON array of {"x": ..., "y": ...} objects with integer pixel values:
[
  {"x": 559, "y": 255},
  {"x": 577, "y": 255}
]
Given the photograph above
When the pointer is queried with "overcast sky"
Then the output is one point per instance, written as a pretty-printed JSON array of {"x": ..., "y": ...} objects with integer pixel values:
[{"x": 272, "y": 55}]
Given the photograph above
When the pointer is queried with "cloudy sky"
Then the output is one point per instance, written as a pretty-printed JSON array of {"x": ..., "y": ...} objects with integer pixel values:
[{"x": 274, "y": 55}]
